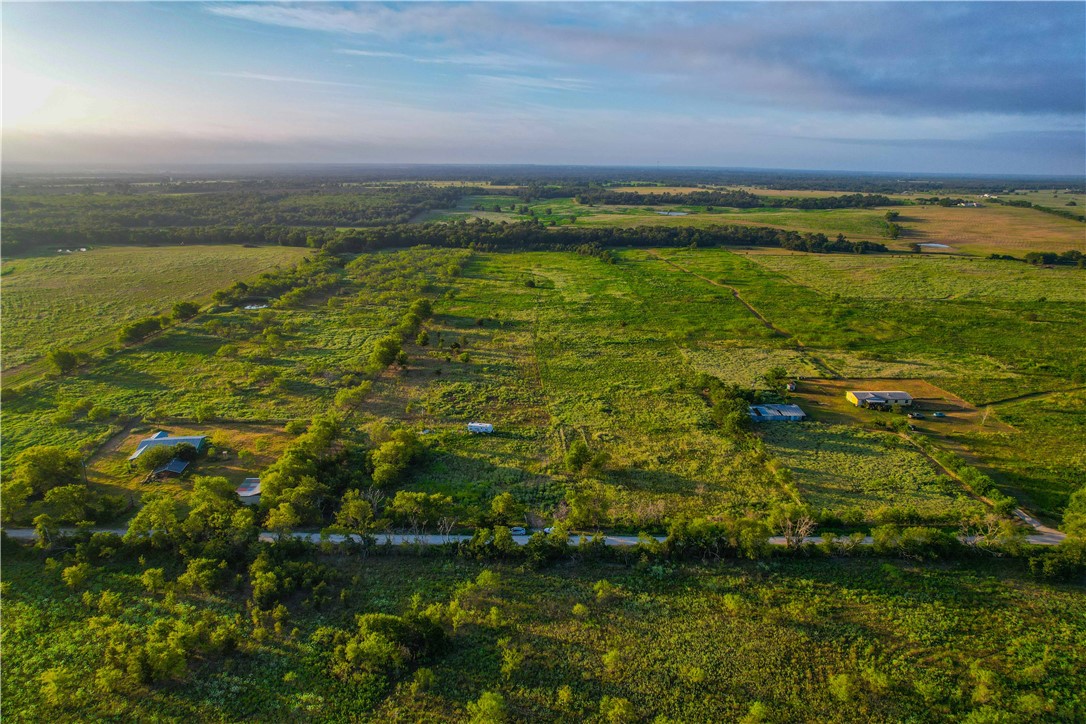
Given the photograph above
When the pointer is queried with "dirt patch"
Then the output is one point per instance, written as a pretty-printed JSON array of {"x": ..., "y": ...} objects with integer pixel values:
[{"x": 824, "y": 400}]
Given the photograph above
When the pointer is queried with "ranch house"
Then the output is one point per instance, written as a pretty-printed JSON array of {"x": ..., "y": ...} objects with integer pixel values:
[
  {"x": 884, "y": 398},
  {"x": 163, "y": 438}
]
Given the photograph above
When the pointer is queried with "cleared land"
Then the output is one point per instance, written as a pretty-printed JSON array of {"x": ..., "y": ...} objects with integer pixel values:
[
  {"x": 926, "y": 277},
  {"x": 990, "y": 229},
  {"x": 842, "y": 467},
  {"x": 236, "y": 452},
  {"x": 555, "y": 347},
  {"x": 81, "y": 299}
]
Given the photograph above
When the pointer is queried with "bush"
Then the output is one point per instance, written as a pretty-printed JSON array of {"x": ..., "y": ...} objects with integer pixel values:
[
  {"x": 487, "y": 709},
  {"x": 63, "y": 360},
  {"x": 185, "y": 310},
  {"x": 140, "y": 329}
]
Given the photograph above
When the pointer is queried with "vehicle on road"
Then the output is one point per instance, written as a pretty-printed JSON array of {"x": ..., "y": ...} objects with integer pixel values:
[
  {"x": 938, "y": 414},
  {"x": 517, "y": 530}
]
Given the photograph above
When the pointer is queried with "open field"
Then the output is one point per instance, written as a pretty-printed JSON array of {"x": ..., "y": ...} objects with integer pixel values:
[
  {"x": 844, "y": 640},
  {"x": 842, "y": 467},
  {"x": 557, "y": 348},
  {"x": 82, "y": 299},
  {"x": 926, "y": 277},
  {"x": 1052, "y": 198},
  {"x": 856, "y": 224},
  {"x": 990, "y": 229}
]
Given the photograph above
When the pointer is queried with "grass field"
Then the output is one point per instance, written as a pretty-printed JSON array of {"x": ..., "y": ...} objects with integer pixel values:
[
  {"x": 82, "y": 299},
  {"x": 556, "y": 347},
  {"x": 990, "y": 229},
  {"x": 975, "y": 231},
  {"x": 926, "y": 277},
  {"x": 841, "y": 467},
  {"x": 843, "y": 640}
]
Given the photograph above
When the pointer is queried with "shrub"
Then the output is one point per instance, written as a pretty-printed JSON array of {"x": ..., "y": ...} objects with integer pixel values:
[
  {"x": 185, "y": 310},
  {"x": 63, "y": 360},
  {"x": 487, "y": 709}
]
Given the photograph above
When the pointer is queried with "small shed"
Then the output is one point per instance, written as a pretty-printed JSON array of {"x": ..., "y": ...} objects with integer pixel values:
[
  {"x": 480, "y": 427},
  {"x": 172, "y": 469},
  {"x": 777, "y": 413},
  {"x": 249, "y": 491}
]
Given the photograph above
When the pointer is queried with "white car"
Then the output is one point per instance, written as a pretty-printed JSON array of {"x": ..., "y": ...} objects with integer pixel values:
[{"x": 517, "y": 530}]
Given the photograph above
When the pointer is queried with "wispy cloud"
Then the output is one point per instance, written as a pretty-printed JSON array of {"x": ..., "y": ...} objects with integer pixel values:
[
  {"x": 246, "y": 75},
  {"x": 480, "y": 59},
  {"x": 533, "y": 83}
]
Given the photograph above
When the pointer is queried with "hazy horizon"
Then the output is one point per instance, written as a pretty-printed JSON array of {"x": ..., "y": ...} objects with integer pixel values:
[{"x": 909, "y": 88}]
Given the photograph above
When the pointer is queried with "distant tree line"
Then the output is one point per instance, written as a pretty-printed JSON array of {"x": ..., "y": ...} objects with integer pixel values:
[
  {"x": 534, "y": 236},
  {"x": 1046, "y": 209}
]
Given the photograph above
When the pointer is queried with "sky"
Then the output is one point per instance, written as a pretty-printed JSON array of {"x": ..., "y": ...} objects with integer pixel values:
[{"x": 922, "y": 87}]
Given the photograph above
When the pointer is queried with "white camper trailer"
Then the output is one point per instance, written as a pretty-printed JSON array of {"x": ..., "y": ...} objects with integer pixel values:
[{"x": 484, "y": 427}]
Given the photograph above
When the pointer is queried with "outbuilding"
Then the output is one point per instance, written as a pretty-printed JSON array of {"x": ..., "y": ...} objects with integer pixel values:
[
  {"x": 249, "y": 491},
  {"x": 883, "y": 398},
  {"x": 163, "y": 438},
  {"x": 777, "y": 413}
]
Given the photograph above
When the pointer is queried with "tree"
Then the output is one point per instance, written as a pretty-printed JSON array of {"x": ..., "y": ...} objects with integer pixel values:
[
  {"x": 776, "y": 379},
  {"x": 63, "y": 360},
  {"x": 487, "y": 709},
  {"x": 185, "y": 310},
  {"x": 355, "y": 513},
  {"x": 282, "y": 519},
  {"x": 416, "y": 510},
  {"x": 577, "y": 456},
  {"x": 351, "y": 398},
  {"x": 385, "y": 351},
  {"x": 158, "y": 521},
  {"x": 155, "y": 457},
  {"x": 45, "y": 528},
  {"x": 69, "y": 503},
  {"x": 392, "y": 458},
  {"x": 505, "y": 508},
  {"x": 792, "y": 521},
  {"x": 43, "y": 467},
  {"x": 1074, "y": 515}
]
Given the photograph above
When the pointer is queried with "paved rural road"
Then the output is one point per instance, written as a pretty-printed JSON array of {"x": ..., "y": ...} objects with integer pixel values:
[{"x": 1046, "y": 536}]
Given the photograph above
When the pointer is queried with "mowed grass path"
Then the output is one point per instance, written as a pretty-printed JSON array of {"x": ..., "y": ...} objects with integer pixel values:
[{"x": 70, "y": 300}]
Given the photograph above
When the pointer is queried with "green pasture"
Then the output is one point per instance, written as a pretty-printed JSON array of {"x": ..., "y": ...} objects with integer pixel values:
[
  {"x": 844, "y": 640},
  {"x": 842, "y": 467},
  {"x": 81, "y": 299},
  {"x": 926, "y": 277}
]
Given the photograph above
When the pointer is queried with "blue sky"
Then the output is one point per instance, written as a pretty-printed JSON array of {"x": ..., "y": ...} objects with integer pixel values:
[{"x": 918, "y": 87}]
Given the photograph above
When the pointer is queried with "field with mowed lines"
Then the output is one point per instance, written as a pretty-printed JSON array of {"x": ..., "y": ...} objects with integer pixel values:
[{"x": 83, "y": 298}]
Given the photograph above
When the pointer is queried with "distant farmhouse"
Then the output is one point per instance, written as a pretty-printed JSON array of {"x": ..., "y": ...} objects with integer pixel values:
[
  {"x": 175, "y": 466},
  {"x": 163, "y": 438},
  {"x": 879, "y": 399},
  {"x": 777, "y": 413}
]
